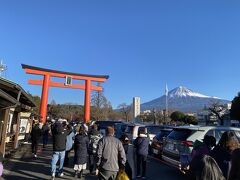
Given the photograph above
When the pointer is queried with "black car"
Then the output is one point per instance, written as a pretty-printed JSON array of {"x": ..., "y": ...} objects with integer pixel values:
[{"x": 158, "y": 141}]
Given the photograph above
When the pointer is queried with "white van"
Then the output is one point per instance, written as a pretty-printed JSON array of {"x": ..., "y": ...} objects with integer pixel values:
[
  {"x": 133, "y": 129},
  {"x": 151, "y": 130}
]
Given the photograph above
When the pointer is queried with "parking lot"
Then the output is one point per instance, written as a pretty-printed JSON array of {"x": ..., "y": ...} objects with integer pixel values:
[{"x": 39, "y": 168}]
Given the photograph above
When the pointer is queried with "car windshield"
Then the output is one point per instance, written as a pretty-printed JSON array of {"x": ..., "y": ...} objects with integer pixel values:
[
  {"x": 105, "y": 124},
  {"x": 162, "y": 134},
  {"x": 180, "y": 134},
  {"x": 123, "y": 127},
  {"x": 129, "y": 129},
  {"x": 153, "y": 129}
]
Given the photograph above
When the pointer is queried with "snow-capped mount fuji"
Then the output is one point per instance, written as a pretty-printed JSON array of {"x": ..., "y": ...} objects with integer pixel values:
[
  {"x": 184, "y": 92},
  {"x": 183, "y": 99}
]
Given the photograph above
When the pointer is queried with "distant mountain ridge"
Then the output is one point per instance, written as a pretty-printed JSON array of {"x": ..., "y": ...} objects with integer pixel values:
[{"x": 183, "y": 99}]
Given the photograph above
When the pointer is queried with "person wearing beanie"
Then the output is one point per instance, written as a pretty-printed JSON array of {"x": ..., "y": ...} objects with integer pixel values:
[{"x": 110, "y": 156}]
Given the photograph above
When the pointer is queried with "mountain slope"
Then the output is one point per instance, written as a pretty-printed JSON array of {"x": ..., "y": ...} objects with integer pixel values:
[{"x": 182, "y": 99}]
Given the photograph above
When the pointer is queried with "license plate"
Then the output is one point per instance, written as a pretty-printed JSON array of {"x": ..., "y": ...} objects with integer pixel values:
[
  {"x": 171, "y": 146},
  {"x": 155, "y": 151}
]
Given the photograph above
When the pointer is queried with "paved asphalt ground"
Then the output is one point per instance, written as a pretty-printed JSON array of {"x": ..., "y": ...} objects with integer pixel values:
[{"x": 28, "y": 167}]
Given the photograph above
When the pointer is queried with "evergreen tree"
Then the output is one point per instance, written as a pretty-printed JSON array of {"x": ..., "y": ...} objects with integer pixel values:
[
  {"x": 177, "y": 116},
  {"x": 190, "y": 120},
  {"x": 37, "y": 101}
]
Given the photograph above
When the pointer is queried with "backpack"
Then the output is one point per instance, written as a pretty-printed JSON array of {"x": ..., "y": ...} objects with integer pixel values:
[{"x": 94, "y": 143}]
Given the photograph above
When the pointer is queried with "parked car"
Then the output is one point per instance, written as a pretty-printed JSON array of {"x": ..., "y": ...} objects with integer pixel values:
[
  {"x": 153, "y": 130},
  {"x": 120, "y": 128},
  {"x": 102, "y": 125},
  {"x": 179, "y": 143},
  {"x": 159, "y": 140},
  {"x": 132, "y": 130}
]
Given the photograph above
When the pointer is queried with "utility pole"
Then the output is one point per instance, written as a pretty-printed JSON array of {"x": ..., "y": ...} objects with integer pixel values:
[
  {"x": 154, "y": 116},
  {"x": 166, "y": 105}
]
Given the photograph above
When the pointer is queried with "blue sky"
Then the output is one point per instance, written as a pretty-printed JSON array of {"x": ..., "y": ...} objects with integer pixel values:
[{"x": 139, "y": 44}]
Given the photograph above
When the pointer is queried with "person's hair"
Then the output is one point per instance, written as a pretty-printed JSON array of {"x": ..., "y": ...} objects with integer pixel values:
[
  {"x": 110, "y": 131},
  {"x": 209, "y": 169},
  {"x": 95, "y": 126},
  {"x": 124, "y": 138},
  {"x": 81, "y": 130},
  {"x": 142, "y": 131},
  {"x": 40, "y": 119},
  {"x": 210, "y": 141},
  {"x": 64, "y": 123},
  {"x": 228, "y": 141}
]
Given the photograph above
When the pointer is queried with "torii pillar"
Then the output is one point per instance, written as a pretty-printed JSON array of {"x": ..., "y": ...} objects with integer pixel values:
[{"x": 46, "y": 83}]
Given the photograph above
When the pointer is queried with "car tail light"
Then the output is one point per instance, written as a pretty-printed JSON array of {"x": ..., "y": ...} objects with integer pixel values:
[{"x": 187, "y": 143}]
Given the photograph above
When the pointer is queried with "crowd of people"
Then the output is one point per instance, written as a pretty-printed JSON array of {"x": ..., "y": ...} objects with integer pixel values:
[
  {"x": 211, "y": 161},
  {"x": 105, "y": 156}
]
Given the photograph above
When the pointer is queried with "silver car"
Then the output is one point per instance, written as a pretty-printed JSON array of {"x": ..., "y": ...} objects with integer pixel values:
[{"x": 179, "y": 143}]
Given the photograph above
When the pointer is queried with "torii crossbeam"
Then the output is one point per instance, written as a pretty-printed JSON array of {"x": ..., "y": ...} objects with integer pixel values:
[{"x": 68, "y": 76}]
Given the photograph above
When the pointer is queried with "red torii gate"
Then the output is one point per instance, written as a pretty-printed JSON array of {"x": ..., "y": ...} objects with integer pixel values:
[{"x": 46, "y": 83}]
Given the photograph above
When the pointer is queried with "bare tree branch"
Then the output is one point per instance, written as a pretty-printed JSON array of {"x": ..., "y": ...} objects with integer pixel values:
[
  {"x": 125, "y": 110},
  {"x": 218, "y": 110}
]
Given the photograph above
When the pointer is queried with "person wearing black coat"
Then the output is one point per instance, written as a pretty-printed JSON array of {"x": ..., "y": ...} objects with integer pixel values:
[
  {"x": 59, "y": 134},
  {"x": 141, "y": 144},
  {"x": 45, "y": 132},
  {"x": 81, "y": 143},
  {"x": 36, "y": 135}
]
